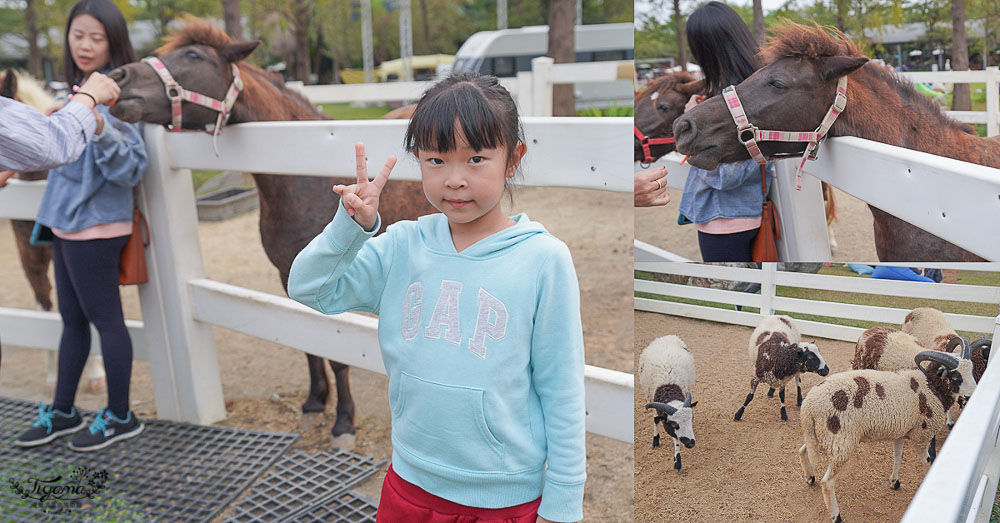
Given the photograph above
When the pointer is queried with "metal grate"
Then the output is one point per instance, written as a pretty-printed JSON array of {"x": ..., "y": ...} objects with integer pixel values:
[
  {"x": 349, "y": 507},
  {"x": 173, "y": 471},
  {"x": 300, "y": 482}
]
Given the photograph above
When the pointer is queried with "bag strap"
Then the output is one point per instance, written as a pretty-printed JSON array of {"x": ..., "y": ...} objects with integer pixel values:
[{"x": 763, "y": 180}]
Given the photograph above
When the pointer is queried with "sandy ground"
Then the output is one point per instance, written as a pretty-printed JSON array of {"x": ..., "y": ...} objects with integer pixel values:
[
  {"x": 750, "y": 470},
  {"x": 852, "y": 230},
  {"x": 264, "y": 383}
]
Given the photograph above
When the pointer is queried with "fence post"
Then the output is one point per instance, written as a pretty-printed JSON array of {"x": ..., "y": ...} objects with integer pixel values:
[
  {"x": 801, "y": 215},
  {"x": 767, "y": 289},
  {"x": 992, "y": 101},
  {"x": 541, "y": 80},
  {"x": 182, "y": 357},
  {"x": 524, "y": 92}
]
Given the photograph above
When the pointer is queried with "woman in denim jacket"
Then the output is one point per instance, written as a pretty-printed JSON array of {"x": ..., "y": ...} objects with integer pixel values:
[
  {"x": 88, "y": 205},
  {"x": 724, "y": 204}
]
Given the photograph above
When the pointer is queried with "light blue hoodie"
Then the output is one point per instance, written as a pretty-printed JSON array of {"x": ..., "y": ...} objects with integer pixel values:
[{"x": 484, "y": 352}]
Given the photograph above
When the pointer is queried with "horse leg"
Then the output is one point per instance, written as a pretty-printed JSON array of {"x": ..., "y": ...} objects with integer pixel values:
[
  {"x": 319, "y": 386},
  {"x": 345, "y": 405}
]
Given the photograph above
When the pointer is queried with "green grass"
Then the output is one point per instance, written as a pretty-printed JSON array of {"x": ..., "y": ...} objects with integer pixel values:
[
  {"x": 199, "y": 177},
  {"x": 877, "y": 300},
  {"x": 344, "y": 111},
  {"x": 611, "y": 110},
  {"x": 978, "y": 104}
]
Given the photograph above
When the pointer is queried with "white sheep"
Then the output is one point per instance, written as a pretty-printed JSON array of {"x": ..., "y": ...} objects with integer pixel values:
[
  {"x": 666, "y": 375},
  {"x": 778, "y": 355},
  {"x": 931, "y": 329},
  {"x": 870, "y": 405},
  {"x": 885, "y": 348}
]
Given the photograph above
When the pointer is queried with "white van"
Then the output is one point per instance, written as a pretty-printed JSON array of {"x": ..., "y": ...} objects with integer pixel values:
[{"x": 505, "y": 52}]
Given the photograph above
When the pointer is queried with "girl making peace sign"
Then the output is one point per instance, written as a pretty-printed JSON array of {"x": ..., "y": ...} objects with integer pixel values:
[{"x": 479, "y": 321}]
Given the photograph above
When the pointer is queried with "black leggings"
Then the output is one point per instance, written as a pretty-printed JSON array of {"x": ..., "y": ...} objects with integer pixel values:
[
  {"x": 733, "y": 247},
  {"x": 87, "y": 287}
]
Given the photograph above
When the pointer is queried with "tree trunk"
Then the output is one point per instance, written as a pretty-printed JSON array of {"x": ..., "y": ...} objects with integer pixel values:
[
  {"x": 231, "y": 15},
  {"x": 562, "y": 49},
  {"x": 682, "y": 58},
  {"x": 426, "y": 47},
  {"x": 301, "y": 24},
  {"x": 758, "y": 22},
  {"x": 841, "y": 11},
  {"x": 34, "y": 53},
  {"x": 961, "y": 100}
]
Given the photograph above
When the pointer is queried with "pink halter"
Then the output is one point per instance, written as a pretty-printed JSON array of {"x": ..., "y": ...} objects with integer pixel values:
[
  {"x": 749, "y": 135},
  {"x": 178, "y": 94}
]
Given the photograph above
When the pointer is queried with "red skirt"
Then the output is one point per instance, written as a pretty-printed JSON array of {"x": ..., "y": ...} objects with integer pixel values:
[{"x": 402, "y": 501}]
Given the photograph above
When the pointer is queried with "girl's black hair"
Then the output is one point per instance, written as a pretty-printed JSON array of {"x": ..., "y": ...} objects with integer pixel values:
[
  {"x": 483, "y": 108},
  {"x": 722, "y": 45},
  {"x": 115, "y": 29}
]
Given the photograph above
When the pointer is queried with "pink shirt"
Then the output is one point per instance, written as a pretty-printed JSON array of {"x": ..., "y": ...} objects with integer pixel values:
[
  {"x": 96, "y": 232},
  {"x": 728, "y": 225}
]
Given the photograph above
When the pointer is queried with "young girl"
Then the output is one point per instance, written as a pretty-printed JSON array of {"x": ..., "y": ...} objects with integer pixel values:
[
  {"x": 88, "y": 206},
  {"x": 479, "y": 321},
  {"x": 725, "y": 204}
]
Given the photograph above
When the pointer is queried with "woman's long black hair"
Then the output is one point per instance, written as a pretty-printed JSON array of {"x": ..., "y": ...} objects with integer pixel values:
[
  {"x": 115, "y": 28},
  {"x": 722, "y": 45}
]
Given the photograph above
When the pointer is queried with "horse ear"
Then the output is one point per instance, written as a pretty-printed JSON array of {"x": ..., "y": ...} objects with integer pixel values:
[
  {"x": 8, "y": 88},
  {"x": 836, "y": 66},
  {"x": 691, "y": 88},
  {"x": 233, "y": 53}
]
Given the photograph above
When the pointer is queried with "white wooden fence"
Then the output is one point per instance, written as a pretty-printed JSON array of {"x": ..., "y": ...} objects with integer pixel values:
[
  {"x": 531, "y": 89},
  {"x": 962, "y": 482},
  {"x": 179, "y": 305},
  {"x": 991, "y": 76}
]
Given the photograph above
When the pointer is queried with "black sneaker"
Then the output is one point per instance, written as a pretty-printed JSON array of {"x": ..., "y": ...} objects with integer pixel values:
[
  {"x": 50, "y": 425},
  {"x": 105, "y": 430}
]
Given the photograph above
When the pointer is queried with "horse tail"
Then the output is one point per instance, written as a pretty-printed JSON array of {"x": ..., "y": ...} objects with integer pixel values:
[{"x": 831, "y": 203}]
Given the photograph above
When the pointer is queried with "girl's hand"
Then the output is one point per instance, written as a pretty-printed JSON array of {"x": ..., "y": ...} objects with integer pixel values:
[
  {"x": 361, "y": 199},
  {"x": 695, "y": 100},
  {"x": 4, "y": 176},
  {"x": 55, "y": 107}
]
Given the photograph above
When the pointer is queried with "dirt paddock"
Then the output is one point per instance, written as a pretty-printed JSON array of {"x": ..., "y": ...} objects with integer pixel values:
[
  {"x": 749, "y": 470},
  {"x": 264, "y": 383}
]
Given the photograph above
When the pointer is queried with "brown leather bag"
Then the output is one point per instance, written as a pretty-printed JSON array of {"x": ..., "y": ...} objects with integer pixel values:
[
  {"x": 132, "y": 266},
  {"x": 765, "y": 245}
]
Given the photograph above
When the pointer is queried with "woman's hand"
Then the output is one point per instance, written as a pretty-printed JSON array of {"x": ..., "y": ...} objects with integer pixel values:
[
  {"x": 695, "y": 100},
  {"x": 55, "y": 107},
  {"x": 4, "y": 176},
  {"x": 361, "y": 199},
  {"x": 651, "y": 188},
  {"x": 102, "y": 89}
]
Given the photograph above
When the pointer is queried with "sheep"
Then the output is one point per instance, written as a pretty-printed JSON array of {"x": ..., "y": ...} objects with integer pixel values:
[
  {"x": 885, "y": 348},
  {"x": 666, "y": 375},
  {"x": 859, "y": 405},
  {"x": 931, "y": 328},
  {"x": 778, "y": 355}
]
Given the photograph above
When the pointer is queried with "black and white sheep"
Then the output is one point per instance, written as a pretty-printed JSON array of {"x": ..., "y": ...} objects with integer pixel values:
[
  {"x": 666, "y": 375},
  {"x": 865, "y": 405},
  {"x": 778, "y": 355}
]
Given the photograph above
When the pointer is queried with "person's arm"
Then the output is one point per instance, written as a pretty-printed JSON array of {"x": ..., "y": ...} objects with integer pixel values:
[
  {"x": 119, "y": 151},
  {"x": 557, "y": 375},
  {"x": 31, "y": 141}
]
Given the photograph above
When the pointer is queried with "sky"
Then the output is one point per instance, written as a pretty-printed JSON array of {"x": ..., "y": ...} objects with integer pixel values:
[{"x": 644, "y": 6}]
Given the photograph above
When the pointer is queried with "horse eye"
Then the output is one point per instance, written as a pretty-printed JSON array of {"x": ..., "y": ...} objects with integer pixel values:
[
  {"x": 777, "y": 85},
  {"x": 193, "y": 55},
  {"x": 663, "y": 108}
]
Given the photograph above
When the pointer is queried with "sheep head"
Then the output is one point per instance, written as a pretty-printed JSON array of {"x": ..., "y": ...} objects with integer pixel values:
[
  {"x": 810, "y": 360},
  {"x": 677, "y": 421}
]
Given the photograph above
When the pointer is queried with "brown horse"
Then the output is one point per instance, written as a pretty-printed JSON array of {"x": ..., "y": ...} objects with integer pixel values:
[
  {"x": 658, "y": 105},
  {"x": 793, "y": 92},
  {"x": 293, "y": 209}
]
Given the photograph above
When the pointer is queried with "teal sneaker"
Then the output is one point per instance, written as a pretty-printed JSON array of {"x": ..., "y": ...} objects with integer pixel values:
[
  {"x": 105, "y": 430},
  {"x": 50, "y": 425}
]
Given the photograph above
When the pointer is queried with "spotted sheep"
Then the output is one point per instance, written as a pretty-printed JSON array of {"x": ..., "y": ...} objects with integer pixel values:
[
  {"x": 871, "y": 405},
  {"x": 666, "y": 375},
  {"x": 932, "y": 329},
  {"x": 778, "y": 354}
]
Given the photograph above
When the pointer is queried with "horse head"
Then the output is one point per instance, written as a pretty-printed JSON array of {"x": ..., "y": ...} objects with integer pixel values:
[
  {"x": 658, "y": 105},
  {"x": 792, "y": 92}
]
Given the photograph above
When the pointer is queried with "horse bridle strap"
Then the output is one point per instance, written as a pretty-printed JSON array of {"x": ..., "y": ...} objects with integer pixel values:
[
  {"x": 748, "y": 134},
  {"x": 177, "y": 95},
  {"x": 646, "y": 141}
]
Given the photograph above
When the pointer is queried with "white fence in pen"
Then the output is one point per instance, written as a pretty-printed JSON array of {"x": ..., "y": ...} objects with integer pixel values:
[
  {"x": 962, "y": 483},
  {"x": 531, "y": 89},
  {"x": 990, "y": 76},
  {"x": 179, "y": 305}
]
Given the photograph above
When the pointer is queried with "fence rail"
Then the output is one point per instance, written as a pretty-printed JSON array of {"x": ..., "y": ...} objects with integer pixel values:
[{"x": 962, "y": 483}]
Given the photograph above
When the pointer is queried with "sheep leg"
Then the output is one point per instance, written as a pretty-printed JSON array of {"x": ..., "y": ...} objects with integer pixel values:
[
  {"x": 897, "y": 456},
  {"x": 770, "y": 392},
  {"x": 948, "y": 421},
  {"x": 754, "y": 382},
  {"x": 829, "y": 483},
  {"x": 807, "y": 469},
  {"x": 932, "y": 450},
  {"x": 677, "y": 455},
  {"x": 656, "y": 434},
  {"x": 781, "y": 396},
  {"x": 798, "y": 391}
]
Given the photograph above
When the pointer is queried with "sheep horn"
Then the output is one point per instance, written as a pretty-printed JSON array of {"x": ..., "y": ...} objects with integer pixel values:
[
  {"x": 661, "y": 406},
  {"x": 966, "y": 348},
  {"x": 949, "y": 362},
  {"x": 954, "y": 342},
  {"x": 687, "y": 400}
]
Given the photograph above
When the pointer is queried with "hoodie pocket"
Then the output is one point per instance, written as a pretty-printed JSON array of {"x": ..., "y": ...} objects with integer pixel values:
[{"x": 445, "y": 425}]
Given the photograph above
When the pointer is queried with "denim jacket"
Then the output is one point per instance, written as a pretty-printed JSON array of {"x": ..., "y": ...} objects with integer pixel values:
[
  {"x": 730, "y": 191},
  {"x": 97, "y": 187}
]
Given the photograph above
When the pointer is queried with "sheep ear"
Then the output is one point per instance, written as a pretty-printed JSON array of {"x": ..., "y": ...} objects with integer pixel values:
[
  {"x": 941, "y": 372},
  {"x": 695, "y": 404}
]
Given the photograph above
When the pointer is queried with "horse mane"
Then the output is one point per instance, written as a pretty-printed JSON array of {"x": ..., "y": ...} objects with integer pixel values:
[
  {"x": 30, "y": 90},
  {"x": 814, "y": 42},
  {"x": 265, "y": 96},
  {"x": 666, "y": 82}
]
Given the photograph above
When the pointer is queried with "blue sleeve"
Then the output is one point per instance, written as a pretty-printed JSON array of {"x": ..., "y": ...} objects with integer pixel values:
[
  {"x": 119, "y": 151},
  {"x": 731, "y": 175},
  {"x": 31, "y": 141},
  {"x": 341, "y": 269},
  {"x": 557, "y": 374}
]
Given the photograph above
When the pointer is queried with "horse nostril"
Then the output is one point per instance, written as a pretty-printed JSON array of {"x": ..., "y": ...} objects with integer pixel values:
[
  {"x": 118, "y": 75},
  {"x": 682, "y": 125}
]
